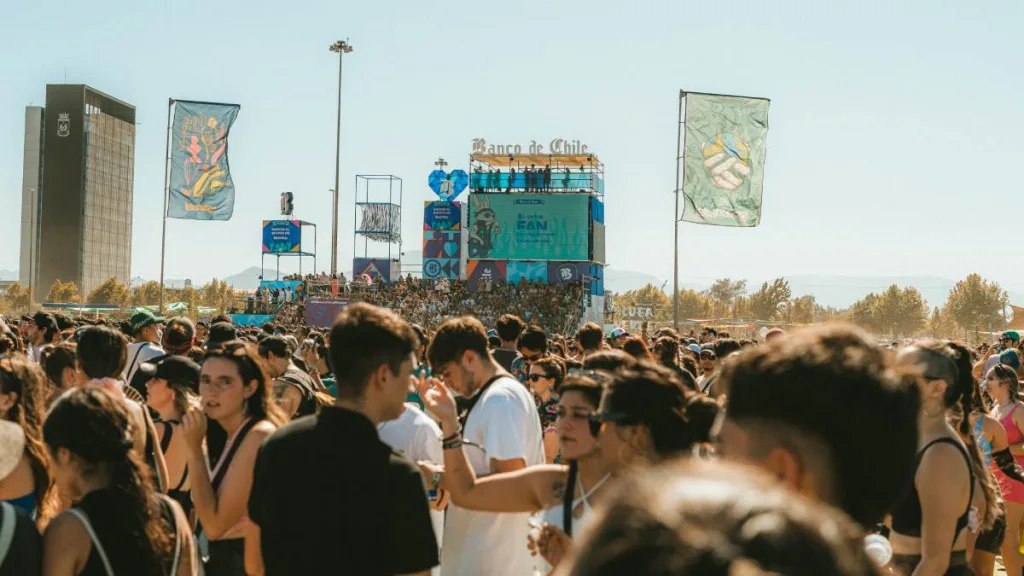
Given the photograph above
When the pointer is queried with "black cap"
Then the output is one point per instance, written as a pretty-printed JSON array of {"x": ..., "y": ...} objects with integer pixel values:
[
  {"x": 220, "y": 333},
  {"x": 176, "y": 369}
]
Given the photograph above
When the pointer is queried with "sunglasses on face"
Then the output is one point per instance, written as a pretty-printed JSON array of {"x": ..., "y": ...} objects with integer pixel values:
[
  {"x": 561, "y": 413},
  {"x": 535, "y": 377},
  {"x": 599, "y": 418}
]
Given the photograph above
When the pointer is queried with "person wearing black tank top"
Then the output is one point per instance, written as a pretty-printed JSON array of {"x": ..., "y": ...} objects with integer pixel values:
[
  {"x": 929, "y": 524},
  {"x": 172, "y": 389},
  {"x": 118, "y": 523},
  {"x": 238, "y": 413}
]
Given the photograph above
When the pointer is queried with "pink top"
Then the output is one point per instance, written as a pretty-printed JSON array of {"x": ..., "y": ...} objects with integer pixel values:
[{"x": 1013, "y": 434}]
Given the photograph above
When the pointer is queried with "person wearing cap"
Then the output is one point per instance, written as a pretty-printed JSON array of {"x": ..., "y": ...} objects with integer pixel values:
[
  {"x": 617, "y": 337},
  {"x": 1007, "y": 341},
  {"x": 294, "y": 389},
  {"x": 22, "y": 550},
  {"x": 172, "y": 385},
  {"x": 220, "y": 332},
  {"x": 146, "y": 329},
  {"x": 694, "y": 351}
]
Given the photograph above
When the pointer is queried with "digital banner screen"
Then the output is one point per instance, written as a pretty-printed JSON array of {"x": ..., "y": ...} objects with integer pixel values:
[
  {"x": 282, "y": 237},
  {"x": 529, "y": 226}
]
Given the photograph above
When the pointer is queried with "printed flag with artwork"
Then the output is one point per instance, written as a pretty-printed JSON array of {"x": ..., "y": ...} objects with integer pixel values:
[
  {"x": 200, "y": 177},
  {"x": 723, "y": 158}
]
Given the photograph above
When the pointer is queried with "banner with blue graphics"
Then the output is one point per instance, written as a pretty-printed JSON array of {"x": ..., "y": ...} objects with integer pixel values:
[
  {"x": 529, "y": 226},
  {"x": 200, "y": 177}
]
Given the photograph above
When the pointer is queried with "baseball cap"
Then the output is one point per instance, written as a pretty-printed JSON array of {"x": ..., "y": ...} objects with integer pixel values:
[
  {"x": 176, "y": 369},
  {"x": 1012, "y": 335},
  {"x": 618, "y": 332},
  {"x": 143, "y": 318},
  {"x": 492, "y": 333},
  {"x": 693, "y": 348},
  {"x": 773, "y": 333},
  {"x": 708, "y": 353},
  {"x": 220, "y": 333},
  {"x": 1010, "y": 358}
]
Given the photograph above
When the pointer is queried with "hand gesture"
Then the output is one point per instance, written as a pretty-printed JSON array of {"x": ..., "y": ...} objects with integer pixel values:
[
  {"x": 553, "y": 544},
  {"x": 438, "y": 400},
  {"x": 193, "y": 424}
]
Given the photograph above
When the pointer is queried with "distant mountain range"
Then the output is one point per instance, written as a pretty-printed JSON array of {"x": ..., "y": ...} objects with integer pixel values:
[{"x": 835, "y": 291}]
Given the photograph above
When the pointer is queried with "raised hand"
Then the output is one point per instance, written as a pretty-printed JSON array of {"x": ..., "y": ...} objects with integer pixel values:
[{"x": 438, "y": 400}]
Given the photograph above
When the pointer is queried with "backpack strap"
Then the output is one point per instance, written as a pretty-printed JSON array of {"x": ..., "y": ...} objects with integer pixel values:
[
  {"x": 177, "y": 533},
  {"x": 136, "y": 359},
  {"x": 8, "y": 522},
  {"x": 95, "y": 539}
]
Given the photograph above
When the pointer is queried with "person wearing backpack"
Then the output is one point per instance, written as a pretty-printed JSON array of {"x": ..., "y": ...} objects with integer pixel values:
[{"x": 20, "y": 546}]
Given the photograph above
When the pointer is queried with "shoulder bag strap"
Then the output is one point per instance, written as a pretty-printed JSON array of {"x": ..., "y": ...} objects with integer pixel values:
[
  {"x": 177, "y": 533},
  {"x": 95, "y": 539},
  {"x": 226, "y": 463},
  {"x": 8, "y": 522},
  {"x": 135, "y": 359}
]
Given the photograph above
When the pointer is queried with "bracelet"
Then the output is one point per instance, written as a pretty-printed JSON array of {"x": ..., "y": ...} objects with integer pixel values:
[
  {"x": 454, "y": 444},
  {"x": 454, "y": 435}
]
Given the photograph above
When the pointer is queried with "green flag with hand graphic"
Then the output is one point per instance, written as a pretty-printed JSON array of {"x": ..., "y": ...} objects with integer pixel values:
[{"x": 723, "y": 159}]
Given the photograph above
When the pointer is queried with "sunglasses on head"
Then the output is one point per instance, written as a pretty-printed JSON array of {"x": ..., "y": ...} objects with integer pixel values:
[{"x": 599, "y": 418}]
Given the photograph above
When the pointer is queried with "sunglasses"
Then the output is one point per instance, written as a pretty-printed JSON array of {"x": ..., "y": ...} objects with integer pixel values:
[
  {"x": 579, "y": 414},
  {"x": 535, "y": 377},
  {"x": 599, "y": 418}
]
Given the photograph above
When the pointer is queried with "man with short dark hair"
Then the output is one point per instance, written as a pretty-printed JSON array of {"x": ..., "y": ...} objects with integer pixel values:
[
  {"x": 327, "y": 493},
  {"x": 509, "y": 328},
  {"x": 821, "y": 410},
  {"x": 39, "y": 330},
  {"x": 532, "y": 346},
  {"x": 589, "y": 338},
  {"x": 501, "y": 432},
  {"x": 294, "y": 388}
]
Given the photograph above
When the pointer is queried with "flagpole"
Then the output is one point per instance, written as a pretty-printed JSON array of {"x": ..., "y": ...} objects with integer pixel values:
[
  {"x": 167, "y": 188},
  {"x": 675, "y": 219}
]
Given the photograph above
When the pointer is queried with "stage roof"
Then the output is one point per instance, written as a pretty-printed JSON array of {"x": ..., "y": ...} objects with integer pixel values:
[{"x": 516, "y": 160}]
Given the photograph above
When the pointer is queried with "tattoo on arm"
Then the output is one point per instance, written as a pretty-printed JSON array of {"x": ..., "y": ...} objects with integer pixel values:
[{"x": 558, "y": 489}]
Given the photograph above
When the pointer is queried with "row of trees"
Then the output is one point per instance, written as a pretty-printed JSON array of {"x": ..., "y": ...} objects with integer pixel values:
[
  {"x": 216, "y": 294},
  {"x": 973, "y": 303}
]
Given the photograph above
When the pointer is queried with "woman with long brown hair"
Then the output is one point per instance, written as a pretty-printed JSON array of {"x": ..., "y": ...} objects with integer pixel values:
[
  {"x": 238, "y": 413},
  {"x": 172, "y": 389},
  {"x": 119, "y": 523},
  {"x": 22, "y": 401},
  {"x": 58, "y": 362},
  {"x": 1001, "y": 383}
]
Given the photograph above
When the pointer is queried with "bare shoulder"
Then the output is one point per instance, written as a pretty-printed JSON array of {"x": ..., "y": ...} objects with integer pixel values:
[
  {"x": 263, "y": 428},
  {"x": 66, "y": 531},
  {"x": 943, "y": 462}
]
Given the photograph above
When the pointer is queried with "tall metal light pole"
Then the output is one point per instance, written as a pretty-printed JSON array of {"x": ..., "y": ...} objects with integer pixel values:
[{"x": 342, "y": 47}]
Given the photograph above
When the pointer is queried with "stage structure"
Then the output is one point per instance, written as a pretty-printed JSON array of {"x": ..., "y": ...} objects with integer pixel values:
[
  {"x": 377, "y": 219},
  {"x": 537, "y": 217},
  {"x": 284, "y": 238}
]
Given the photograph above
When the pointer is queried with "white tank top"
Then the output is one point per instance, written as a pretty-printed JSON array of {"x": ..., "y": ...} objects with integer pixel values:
[{"x": 555, "y": 515}]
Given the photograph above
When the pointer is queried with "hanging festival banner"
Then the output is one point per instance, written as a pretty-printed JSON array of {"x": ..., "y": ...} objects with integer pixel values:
[
  {"x": 723, "y": 158},
  {"x": 200, "y": 177}
]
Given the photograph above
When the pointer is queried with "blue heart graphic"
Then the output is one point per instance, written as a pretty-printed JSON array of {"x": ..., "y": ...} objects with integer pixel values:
[
  {"x": 450, "y": 249},
  {"x": 448, "y": 186}
]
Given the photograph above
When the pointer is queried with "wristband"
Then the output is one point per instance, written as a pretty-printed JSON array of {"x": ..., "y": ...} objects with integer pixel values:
[
  {"x": 454, "y": 444},
  {"x": 454, "y": 435}
]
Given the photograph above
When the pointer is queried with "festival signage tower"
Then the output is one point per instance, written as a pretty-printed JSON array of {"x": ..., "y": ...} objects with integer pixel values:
[{"x": 536, "y": 213}]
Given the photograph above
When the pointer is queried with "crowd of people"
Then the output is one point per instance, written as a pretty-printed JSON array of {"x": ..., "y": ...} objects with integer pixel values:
[
  {"x": 493, "y": 445},
  {"x": 428, "y": 302}
]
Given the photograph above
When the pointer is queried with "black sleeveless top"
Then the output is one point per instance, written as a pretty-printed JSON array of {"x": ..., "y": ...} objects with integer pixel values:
[
  {"x": 125, "y": 549},
  {"x": 182, "y": 497},
  {"x": 906, "y": 515}
]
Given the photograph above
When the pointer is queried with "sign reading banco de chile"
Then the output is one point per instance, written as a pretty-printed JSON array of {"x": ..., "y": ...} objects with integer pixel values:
[{"x": 282, "y": 237}]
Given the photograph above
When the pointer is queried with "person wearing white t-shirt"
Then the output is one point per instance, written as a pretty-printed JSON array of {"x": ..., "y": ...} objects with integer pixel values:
[
  {"x": 418, "y": 438},
  {"x": 146, "y": 328},
  {"x": 500, "y": 433}
]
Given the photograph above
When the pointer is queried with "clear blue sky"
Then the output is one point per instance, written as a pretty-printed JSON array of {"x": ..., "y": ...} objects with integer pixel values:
[{"x": 894, "y": 144}]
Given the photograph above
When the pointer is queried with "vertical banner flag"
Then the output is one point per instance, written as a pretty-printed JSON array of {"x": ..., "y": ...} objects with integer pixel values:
[
  {"x": 726, "y": 140},
  {"x": 200, "y": 178}
]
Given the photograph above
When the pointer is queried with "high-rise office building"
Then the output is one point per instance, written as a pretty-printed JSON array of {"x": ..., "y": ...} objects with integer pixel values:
[{"x": 78, "y": 181}]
